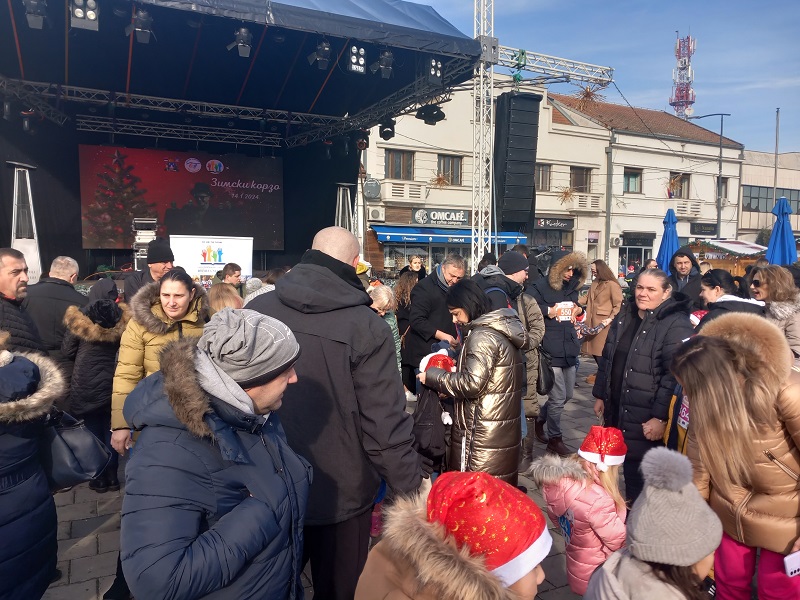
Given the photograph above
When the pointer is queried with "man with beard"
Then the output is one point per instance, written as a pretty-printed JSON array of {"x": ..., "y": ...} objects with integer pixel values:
[{"x": 13, "y": 289}]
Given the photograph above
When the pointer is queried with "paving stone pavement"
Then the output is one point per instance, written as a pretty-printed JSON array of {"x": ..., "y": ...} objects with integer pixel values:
[{"x": 88, "y": 522}]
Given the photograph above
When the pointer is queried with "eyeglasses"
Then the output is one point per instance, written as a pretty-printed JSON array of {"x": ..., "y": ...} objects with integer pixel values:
[{"x": 756, "y": 283}]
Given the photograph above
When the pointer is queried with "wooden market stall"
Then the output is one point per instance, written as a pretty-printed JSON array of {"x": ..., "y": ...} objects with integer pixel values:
[{"x": 732, "y": 255}]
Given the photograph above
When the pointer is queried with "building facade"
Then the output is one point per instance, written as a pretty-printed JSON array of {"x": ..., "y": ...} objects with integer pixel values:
[{"x": 758, "y": 179}]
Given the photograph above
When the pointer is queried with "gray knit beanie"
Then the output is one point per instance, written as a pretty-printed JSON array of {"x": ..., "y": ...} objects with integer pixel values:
[
  {"x": 251, "y": 348},
  {"x": 670, "y": 523}
]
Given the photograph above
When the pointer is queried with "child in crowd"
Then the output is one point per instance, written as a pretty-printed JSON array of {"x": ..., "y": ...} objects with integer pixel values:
[
  {"x": 384, "y": 303},
  {"x": 672, "y": 535},
  {"x": 475, "y": 537},
  {"x": 583, "y": 499}
]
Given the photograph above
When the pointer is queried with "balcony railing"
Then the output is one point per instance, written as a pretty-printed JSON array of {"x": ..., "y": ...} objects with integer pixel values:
[
  {"x": 688, "y": 209},
  {"x": 411, "y": 191},
  {"x": 585, "y": 203}
]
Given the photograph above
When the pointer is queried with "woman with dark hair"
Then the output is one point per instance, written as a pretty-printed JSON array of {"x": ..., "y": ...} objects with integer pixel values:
[
  {"x": 487, "y": 385},
  {"x": 603, "y": 304},
  {"x": 634, "y": 385},
  {"x": 402, "y": 294},
  {"x": 724, "y": 293},
  {"x": 775, "y": 286}
]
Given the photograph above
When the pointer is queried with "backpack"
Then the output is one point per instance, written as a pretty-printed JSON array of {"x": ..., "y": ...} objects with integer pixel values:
[{"x": 495, "y": 288}]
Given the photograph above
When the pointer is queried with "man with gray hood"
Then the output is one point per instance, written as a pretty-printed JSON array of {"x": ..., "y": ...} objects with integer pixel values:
[{"x": 215, "y": 497}]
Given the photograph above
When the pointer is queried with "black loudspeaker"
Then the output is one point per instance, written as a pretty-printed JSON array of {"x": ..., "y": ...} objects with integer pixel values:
[{"x": 516, "y": 134}]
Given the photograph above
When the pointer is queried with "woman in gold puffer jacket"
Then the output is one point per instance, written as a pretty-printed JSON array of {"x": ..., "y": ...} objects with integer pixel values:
[{"x": 487, "y": 385}]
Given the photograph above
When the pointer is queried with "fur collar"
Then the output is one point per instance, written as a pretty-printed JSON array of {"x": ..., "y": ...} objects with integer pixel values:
[
  {"x": 763, "y": 342},
  {"x": 188, "y": 400},
  {"x": 783, "y": 310},
  {"x": 146, "y": 308},
  {"x": 89, "y": 331},
  {"x": 437, "y": 565},
  {"x": 52, "y": 387},
  {"x": 577, "y": 260},
  {"x": 551, "y": 468}
]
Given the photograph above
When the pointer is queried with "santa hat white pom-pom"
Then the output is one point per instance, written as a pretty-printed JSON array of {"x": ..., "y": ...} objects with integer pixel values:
[{"x": 666, "y": 469}]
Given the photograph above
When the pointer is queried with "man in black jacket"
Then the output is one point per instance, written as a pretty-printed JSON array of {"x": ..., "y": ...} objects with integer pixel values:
[
  {"x": 159, "y": 261},
  {"x": 685, "y": 276},
  {"x": 346, "y": 415},
  {"x": 47, "y": 302},
  {"x": 431, "y": 321},
  {"x": 13, "y": 289}
]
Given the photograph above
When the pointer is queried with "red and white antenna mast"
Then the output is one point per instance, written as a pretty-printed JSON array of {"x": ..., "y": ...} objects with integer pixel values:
[{"x": 682, "y": 76}]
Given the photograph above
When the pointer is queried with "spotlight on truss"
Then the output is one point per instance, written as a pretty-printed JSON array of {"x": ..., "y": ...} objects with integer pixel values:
[
  {"x": 243, "y": 40},
  {"x": 83, "y": 14},
  {"x": 383, "y": 64},
  {"x": 358, "y": 59},
  {"x": 321, "y": 56},
  {"x": 142, "y": 26},
  {"x": 430, "y": 114},
  {"x": 386, "y": 129},
  {"x": 35, "y": 12}
]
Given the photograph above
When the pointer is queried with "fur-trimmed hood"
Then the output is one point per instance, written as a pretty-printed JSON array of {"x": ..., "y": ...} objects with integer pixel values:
[
  {"x": 146, "y": 308},
  {"x": 188, "y": 401},
  {"x": 580, "y": 265},
  {"x": 431, "y": 565},
  {"x": 552, "y": 468},
  {"x": 763, "y": 342},
  {"x": 83, "y": 327},
  {"x": 780, "y": 311},
  {"x": 52, "y": 387}
]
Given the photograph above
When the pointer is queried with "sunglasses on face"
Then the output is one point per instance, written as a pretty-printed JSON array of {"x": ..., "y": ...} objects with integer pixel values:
[{"x": 756, "y": 283}]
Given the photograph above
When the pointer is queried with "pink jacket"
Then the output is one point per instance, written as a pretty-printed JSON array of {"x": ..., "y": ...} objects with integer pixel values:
[{"x": 586, "y": 515}]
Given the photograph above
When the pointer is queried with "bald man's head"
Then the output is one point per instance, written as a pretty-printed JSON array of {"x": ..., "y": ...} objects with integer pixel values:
[{"x": 338, "y": 243}]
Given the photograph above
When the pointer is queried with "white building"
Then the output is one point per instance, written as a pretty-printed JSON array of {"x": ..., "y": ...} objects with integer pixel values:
[
  {"x": 605, "y": 176},
  {"x": 758, "y": 179}
]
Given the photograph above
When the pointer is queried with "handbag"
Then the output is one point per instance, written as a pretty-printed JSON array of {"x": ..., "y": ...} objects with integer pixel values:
[
  {"x": 69, "y": 452},
  {"x": 546, "y": 379}
]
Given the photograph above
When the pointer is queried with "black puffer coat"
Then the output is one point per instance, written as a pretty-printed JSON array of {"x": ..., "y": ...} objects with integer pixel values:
[
  {"x": 428, "y": 313},
  {"x": 648, "y": 385},
  {"x": 23, "y": 334},
  {"x": 28, "y": 522},
  {"x": 92, "y": 341}
]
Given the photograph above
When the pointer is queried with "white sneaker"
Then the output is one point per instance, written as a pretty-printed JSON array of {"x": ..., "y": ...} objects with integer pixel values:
[{"x": 410, "y": 397}]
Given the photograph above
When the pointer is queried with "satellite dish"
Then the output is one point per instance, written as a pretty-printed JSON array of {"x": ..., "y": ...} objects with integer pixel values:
[
  {"x": 372, "y": 189},
  {"x": 689, "y": 111}
]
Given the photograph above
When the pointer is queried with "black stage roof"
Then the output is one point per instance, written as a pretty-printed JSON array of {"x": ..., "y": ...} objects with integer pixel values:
[{"x": 185, "y": 81}]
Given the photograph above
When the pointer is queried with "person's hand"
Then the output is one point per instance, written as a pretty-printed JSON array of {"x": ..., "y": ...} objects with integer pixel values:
[
  {"x": 421, "y": 377},
  {"x": 599, "y": 408},
  {"x": 607, "y": 321},
  {"x": 426, "y": 464},
  {"x": 654, "y": 429},
  {"x": 796, "y": 547},
  {"x": 121, "y": 440}
]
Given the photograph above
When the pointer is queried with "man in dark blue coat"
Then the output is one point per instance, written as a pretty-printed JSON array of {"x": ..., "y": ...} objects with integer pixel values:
[{"x": 215, "y": 497}]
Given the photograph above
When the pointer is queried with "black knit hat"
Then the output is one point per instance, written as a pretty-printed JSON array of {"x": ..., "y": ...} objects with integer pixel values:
[
  {"x": 512, "y": 262},
  {"x": 159, "y": 251}
]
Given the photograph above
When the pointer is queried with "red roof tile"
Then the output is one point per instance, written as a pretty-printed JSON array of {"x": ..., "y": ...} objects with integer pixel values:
[{"x": 643, "y": 120}]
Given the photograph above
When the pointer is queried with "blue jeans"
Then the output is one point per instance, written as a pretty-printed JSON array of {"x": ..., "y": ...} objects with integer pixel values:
[{"x": 559, "y": 396}]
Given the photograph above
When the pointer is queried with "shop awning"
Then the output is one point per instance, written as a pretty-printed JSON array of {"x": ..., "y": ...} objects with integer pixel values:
[{"x": 434, "y": 235}]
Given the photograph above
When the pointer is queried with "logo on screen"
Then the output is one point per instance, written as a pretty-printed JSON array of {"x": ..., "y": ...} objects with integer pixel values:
[
  {"x": 215, "y": 166},
  {"x": 192, "y": 165},
  {"x": 212, "y": 255}
]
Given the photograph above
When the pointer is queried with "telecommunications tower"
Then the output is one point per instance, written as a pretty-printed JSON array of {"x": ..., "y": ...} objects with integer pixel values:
[{"x": 682, "y": 76}]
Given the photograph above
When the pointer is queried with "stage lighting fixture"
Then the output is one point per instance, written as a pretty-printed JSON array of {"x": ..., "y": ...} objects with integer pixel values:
[
  {"x": 83, "y": 14},
  {"x": 321, "y": 56},
  {"x": 362, "y": 139},
  {"x": 242, "y": 39},
  {"x": 431, "y": 114},
  {"x": 35, "y": 13},
  {"x": 434, "y": 71},
  {"x": 384, "y": 64},
  {"x": 7, "y": 110},
  {"x": 26, "y": 124},
  {"x": 358, "y": 60},
  {"x": 326, "y": 149},
  {"x": 386, "y": 129},
  {"x": 142, "y": 26}
]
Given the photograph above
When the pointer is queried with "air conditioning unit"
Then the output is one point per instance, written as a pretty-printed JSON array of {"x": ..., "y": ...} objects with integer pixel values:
[
  {"x": 377, "y": 214},
  {"x": 615, "y": 242}
]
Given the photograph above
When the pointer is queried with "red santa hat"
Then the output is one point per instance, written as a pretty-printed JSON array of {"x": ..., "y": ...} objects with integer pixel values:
[
  {"x": 438, "y": 359},
  {"x": 491, "y": 519},
  {"x": 603, "y": 446}
]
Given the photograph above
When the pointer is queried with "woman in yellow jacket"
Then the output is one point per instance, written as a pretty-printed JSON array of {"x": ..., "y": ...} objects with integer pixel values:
[{"x": 163, "y": 311}]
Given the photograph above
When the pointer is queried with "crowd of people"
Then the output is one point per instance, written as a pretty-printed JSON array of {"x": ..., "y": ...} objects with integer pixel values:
[{"x": 262, "y": 424}]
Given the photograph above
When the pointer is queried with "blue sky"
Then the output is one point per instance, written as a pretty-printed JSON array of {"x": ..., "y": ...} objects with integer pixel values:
[{"x": 747, "y": 61}]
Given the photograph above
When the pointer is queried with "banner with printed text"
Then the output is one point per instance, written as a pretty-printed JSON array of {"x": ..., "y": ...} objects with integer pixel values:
[{"x": 203, "y": 256}]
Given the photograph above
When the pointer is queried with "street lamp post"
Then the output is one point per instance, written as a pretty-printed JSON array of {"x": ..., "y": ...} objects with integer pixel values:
[{"x": 719, "y": 173}]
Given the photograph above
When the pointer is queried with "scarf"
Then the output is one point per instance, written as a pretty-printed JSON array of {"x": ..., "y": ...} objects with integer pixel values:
[
  {"x": 440, "y": 279},
  {"x": 220, "y": 385}
]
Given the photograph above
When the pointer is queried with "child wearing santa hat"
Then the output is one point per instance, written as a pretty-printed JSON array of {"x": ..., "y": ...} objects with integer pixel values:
[
  {"x": 583, "y": 499},
  {"x": 474, "y": 537}
]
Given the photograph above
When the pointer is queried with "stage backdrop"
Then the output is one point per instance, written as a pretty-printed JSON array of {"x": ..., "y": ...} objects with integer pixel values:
[
  {"x": 190, "y": 193},
  {"x": 203, "y": 256}
]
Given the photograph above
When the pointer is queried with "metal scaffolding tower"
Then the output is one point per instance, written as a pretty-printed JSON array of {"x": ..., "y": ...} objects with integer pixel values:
[{"x": 551, "y": 68}]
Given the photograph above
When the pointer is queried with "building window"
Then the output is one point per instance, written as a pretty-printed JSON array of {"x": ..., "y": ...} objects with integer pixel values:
[
  {"x": 678, "y": 186},
  {"x": 632, "y": 182},
  {"x": 580, "y": 179},
  {"x": 542, "y": 174},
  {"x": 757, "y": 198},
  {"x": 724, "y": 189},
  {"x": 399, "y": 165},
  {"x": 450, "y": 167}
]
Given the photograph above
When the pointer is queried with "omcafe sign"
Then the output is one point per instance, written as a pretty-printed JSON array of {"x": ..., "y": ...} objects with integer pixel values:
[{"x": 441, "y": 216}]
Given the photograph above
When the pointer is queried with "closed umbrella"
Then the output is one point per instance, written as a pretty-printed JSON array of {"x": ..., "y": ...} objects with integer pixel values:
[
  {"x": 781, "y": 249},
  {"x": 669, "y": 243}
]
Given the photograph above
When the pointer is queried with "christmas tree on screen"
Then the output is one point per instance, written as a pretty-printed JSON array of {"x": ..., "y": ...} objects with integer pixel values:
[{"x": 117, "y": 200}]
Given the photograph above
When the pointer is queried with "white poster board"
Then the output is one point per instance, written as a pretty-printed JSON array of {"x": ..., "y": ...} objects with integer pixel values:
[{"x": 203, "y": 255}]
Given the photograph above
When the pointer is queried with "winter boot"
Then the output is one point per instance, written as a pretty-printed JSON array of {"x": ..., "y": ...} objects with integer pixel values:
[
  {"x": 527, "y": 452},
  {"x": 99, "y": 484},
  {"x": 538, "y": 427},
  {"x": 113, "y": 480},
  {"x": 556, "y": 446}
]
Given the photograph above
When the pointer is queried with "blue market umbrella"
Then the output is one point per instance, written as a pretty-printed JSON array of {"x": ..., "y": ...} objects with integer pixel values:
[
  {"x": 669, "y": 243},
  {"x": 782, "y": 249}
]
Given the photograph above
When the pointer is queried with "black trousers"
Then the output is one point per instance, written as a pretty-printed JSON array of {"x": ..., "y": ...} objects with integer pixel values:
[
  {"x": 634, "y": 482},
  {"x": 337, "y": 553}
]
